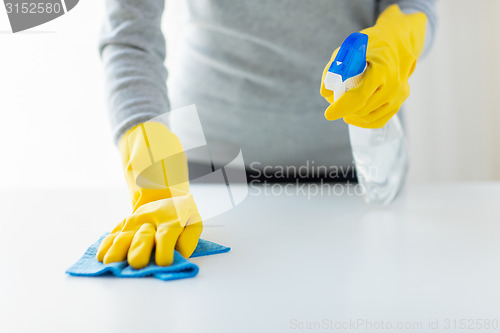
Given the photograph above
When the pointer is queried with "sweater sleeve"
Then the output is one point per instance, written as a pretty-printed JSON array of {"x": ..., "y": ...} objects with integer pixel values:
[
  {"x": 133, "y": 51},
  {"x": 428, "y": 7}
]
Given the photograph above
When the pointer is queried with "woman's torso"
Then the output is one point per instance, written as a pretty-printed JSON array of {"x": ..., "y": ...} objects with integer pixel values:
[{"x": 253, "y": 69}]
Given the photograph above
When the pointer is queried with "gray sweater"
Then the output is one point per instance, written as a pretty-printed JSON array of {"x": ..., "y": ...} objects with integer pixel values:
[{"x": 253, "y": 68}]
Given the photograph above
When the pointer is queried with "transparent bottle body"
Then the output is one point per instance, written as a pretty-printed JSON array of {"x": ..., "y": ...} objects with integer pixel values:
[{"x": 381, "y": 159}]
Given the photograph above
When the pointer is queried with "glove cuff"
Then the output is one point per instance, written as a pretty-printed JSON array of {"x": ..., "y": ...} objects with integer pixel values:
[
  {"x": 410, "y": 28},
  {"x": 154, "y": 163}
]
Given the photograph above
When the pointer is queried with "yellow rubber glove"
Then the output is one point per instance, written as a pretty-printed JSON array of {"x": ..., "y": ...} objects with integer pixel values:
[
  {"x": 394, "y": 44},
  {"x": 164, "y": 212}
]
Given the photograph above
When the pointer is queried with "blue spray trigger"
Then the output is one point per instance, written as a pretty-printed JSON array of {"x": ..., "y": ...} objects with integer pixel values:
[{"x": 351, "y": 59}]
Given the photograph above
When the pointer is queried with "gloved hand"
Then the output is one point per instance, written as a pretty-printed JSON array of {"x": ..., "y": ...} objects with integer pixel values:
[
  {"x": 164, "y": 212},
  {"x": 394, "y": 44}
]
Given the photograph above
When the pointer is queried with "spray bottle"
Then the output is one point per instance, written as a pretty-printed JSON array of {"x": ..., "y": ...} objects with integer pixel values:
[{"x": 381, "y": 154}]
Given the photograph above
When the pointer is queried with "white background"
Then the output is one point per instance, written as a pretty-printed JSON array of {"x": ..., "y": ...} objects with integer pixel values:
[{"x": 55, "y": 132}]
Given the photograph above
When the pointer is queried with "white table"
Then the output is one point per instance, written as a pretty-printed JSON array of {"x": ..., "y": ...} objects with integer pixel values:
[{"x": 294, "y": 262}]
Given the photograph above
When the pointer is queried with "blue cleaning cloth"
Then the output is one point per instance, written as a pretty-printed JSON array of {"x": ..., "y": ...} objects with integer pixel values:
[{"x": 181, "y": 268}]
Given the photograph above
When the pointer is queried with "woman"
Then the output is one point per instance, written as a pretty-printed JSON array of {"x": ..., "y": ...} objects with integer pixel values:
[{"x": 253, "y": 69}]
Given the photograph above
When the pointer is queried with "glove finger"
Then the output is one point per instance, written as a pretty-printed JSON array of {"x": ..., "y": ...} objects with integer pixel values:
[
  {"x": 352, "y": 121},
  {"x": 188, "y": 239},
  {"x": 388, "y": 94},
  {"x": 166, "y": 238},
  {"x": 142, "y": 246},
  {"x": 356, "y": 98},
  {"x": 377, "y": 121},
  {"x": 105, "y": 245},
  {"x": 327, "y": 94},
  {"x": 372, "y": 116},
  {"x": 380, "y": 122},
  {"x": 108, "y": 241},
  {"x": 118, "y": 251},
  {"x": 382, "y": 96},
  {"x": 367, "y": 121}
]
